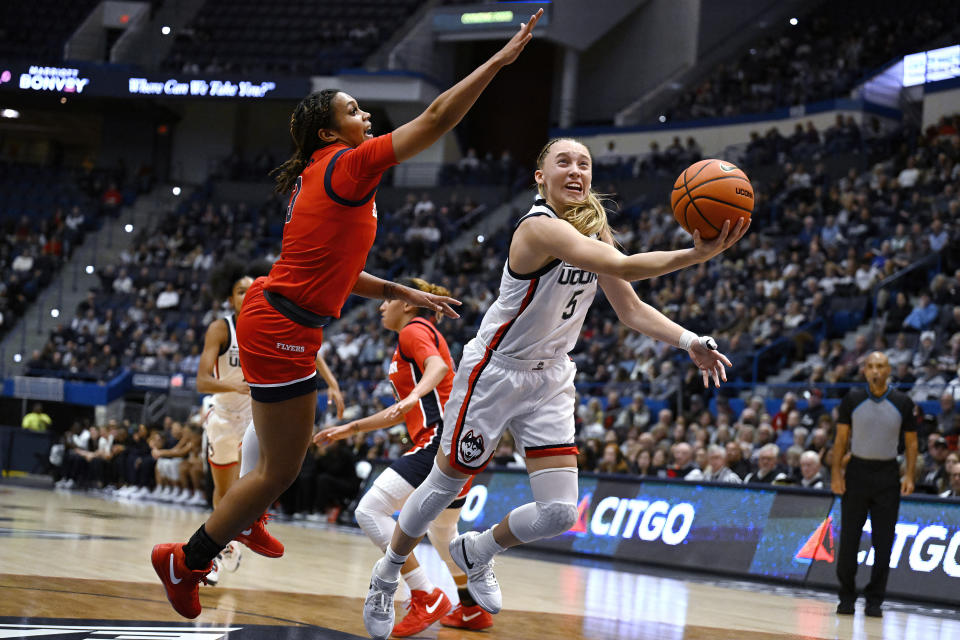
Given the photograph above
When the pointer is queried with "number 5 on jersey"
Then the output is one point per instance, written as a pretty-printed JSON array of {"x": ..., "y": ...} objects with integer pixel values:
[{"x": 571, "y": 307}]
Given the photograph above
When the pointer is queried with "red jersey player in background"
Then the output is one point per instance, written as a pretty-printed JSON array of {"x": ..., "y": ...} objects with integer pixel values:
[
  {"x": 329, "y": 229},
  {"x": 421, "y": 373}
]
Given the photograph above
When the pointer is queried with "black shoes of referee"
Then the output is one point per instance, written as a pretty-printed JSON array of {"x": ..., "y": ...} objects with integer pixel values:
[{"x": 871, "y": 610}]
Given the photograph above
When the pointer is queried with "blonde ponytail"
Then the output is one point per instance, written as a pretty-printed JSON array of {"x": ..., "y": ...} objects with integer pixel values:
[{"x": 428, "y": 287}]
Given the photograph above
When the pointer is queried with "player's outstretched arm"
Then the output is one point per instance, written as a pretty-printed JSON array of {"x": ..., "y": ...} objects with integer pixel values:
[
  {"x": 449, "y": 107},
  {"x": 370, "y": 286},
  {"x": 641, "y": 317},
  {"x": 379, "y": 420},
  {"x": 554, "y": 237}
]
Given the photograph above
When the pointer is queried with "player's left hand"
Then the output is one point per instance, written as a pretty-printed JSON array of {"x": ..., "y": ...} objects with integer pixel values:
[
  {"x": 728, "y": 237},
  {"x": 402, "y": 408},
  {"x": 906, "y": 486},
  {"x": 336, "y": 396},
  {"x": 710, "y": 362},
  {"x": 440, "y": 304},
  {"x": 332, "y": 434}
]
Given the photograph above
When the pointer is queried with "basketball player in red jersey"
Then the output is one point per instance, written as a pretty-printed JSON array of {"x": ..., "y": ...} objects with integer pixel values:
[
  {"x": 421, "y": 373},
  {"x": 226, "y": 423},
  {"x": 330, "y": 227}
]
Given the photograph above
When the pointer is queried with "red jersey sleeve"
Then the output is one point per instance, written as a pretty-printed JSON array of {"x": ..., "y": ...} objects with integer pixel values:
[
  {"x": 418, "y": 343},
  {"x": 358, "y": 170}
]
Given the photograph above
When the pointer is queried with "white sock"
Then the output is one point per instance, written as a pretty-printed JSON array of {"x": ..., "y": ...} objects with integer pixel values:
[
  {"x": 417, "y": 580},
  {"x": 487, "y": 547},
  {"x": 249, "y": 450},
  {"x": 389, "y": 568}
]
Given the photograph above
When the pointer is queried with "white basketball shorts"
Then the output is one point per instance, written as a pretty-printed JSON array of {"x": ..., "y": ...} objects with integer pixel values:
[
  {"x": 224, "y": 434},
  {"x": 492, "y": 392}
]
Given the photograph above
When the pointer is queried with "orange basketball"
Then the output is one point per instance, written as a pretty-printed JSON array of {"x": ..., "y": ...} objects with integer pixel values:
[{"x": 708, "y": 193}]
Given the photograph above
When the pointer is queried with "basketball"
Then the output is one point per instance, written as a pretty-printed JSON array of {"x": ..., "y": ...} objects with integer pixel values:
[{"x": 708, "y": 193}]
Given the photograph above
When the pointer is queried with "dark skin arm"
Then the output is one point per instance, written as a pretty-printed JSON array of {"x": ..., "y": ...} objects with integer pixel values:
[
  {"x": 449, "y": 107},
  {"x": 910, "y": 441},
  {"x": 838, "y": 483},
  {"x": 370, "y": 286},
  {"x": 216, "y": 337}
]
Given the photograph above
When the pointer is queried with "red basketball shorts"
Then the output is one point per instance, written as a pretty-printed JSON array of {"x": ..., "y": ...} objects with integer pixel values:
[{"x": 278, "y": 356}]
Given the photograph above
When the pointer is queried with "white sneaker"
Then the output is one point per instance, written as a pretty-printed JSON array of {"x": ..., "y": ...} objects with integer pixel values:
[
  {"x": 481, "y": 582},
  {"x": 230, "y": 556},
  {"x": 157, "y": 492},
  {"x": 378, "y": 616},
  {"x": 165, "y": 494},
  {"x": 214, "y": 576},
  {"x": 198, "y": 499},
  {"x": 69, "y": 483},
  {"x": 141, "y": 493},
  {"x": 182, "y": 496}
]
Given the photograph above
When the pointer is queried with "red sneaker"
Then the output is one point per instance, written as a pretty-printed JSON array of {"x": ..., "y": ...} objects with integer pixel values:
[
  {"x": 424, "y": 609},
  {"x": 473, "y": 618},
  {"x": 181, "y": 583},
  {"x": 259, "y": 541}
]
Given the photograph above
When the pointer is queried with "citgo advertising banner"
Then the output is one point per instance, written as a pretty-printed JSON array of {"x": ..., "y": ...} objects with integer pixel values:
[{"x": 784, "y": 534}]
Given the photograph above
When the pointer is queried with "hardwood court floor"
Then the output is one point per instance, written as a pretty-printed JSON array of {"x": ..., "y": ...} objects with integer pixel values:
[{"x": 69, "y": 558}]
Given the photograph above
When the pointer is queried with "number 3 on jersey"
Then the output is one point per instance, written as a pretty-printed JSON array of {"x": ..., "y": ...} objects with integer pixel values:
[
  {"x": 571, "y": 307},
  {"x": 293, "y": 198}
]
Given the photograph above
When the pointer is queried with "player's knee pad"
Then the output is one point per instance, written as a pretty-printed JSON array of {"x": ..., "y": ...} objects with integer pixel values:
[
  {"x": 428, "y": 501},
  {"x": 555, "y": 510},
  {"x": 374, "y": 514}
]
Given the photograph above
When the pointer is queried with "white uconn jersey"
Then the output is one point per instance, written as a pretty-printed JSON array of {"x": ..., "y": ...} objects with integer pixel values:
[
  {"x": 538, "y": 315},
  {"x": 227, "y": 369}
]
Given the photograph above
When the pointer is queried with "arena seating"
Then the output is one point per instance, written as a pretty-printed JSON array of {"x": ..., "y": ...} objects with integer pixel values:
[
  {"x": 45, "y": 214},
  {"x": 827, "y": 54},
  {"x": 37, "y": 31},
  {"x": 823, "y": 236},
  {"x": 300, "y": 36}
]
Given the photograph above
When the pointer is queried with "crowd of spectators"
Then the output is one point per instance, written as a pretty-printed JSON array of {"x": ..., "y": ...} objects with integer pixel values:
[
  {"x": 45, "y": 213},
  {"x": 804, "y": 275},
  {"x": 165, "y": 463},
  {"x": 824, "y": 56},
  {"x": 152, "y": 308}
]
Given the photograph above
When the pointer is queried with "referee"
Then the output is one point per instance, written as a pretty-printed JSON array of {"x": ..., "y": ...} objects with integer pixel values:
[{"x": 871, "y": 421}]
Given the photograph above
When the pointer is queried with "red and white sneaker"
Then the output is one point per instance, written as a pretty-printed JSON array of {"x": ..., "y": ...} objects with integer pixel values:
[
  {"x": 424, "y": 609},
  {"x": 181, "y": 583},
  {"x": 472, "y": 618},
  {"x": 259, "y": 541}
]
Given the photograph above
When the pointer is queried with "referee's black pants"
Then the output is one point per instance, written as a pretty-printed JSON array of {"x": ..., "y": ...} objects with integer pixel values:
[{"x": 873, "y": 487}]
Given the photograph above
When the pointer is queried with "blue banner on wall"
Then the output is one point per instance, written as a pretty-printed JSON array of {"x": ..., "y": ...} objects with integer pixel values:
[{"x": 785, "y": 534}]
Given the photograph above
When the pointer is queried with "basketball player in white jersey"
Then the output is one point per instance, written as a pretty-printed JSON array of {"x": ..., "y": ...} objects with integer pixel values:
[
  {"x": 516, "y": 373},
  {"x": 229, "y": 415}
]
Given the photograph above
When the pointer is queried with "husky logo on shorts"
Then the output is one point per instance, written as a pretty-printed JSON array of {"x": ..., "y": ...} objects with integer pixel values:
[{"x": 471, "y": 446}]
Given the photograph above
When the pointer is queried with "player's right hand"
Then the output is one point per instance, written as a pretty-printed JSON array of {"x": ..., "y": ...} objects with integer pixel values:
[
  {"x": 332, "y": 434},
  {"x": 512, "y": 49},
  {"x": 243, "y": 387},
  {"x": 837, "y": 484}
]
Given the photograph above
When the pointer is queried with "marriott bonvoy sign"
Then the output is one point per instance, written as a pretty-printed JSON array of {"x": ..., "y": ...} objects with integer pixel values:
[{"x": 110, "y": 81}]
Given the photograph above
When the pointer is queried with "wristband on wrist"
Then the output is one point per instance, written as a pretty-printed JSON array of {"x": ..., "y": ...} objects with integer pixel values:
[{"x": 686, "y": 339}]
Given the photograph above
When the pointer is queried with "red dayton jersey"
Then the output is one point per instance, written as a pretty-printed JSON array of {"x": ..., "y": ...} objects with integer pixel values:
[
  {"x": 330, "y": 226},
  {"x": 418, "y": 341}
]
